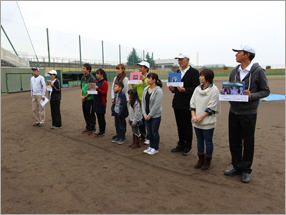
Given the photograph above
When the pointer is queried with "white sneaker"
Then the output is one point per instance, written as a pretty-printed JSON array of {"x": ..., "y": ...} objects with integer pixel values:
[
  {"x": 147, "y": 150},
  {"x": 147, "y": 142},
  {"x": 152, "y": 152}
]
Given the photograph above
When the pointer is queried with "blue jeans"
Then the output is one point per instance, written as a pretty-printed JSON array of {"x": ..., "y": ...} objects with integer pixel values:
[
  {"x": 120, "y": 127},
  {"x": 153, "y": 132},
  {"x": 205, "y": 136}
]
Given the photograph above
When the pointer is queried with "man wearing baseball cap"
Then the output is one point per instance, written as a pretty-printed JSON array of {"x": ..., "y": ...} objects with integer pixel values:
[
  {"x": 242, "y": 115},
  {"x": 38, "y": 91},
  {"x": 181, "y": 103},
  {"x": 144, "y": 69}
]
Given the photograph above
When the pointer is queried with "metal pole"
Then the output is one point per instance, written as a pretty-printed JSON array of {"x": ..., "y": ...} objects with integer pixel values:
[
  {"x": 80, "y": 50},
  {"x": 119, "y": 54},
  {"x": 143, "y": 55},
  {"x": 152, "y": 60},
  {"x": 102, "y": 53},
  {"x": 48, "y": 43},
  {"x": 9, "y": 40},
  {"x": 133, "y": 56}
]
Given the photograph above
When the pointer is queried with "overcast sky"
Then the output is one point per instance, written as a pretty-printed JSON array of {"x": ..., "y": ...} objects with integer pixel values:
[{"x": 167, "y": 28}]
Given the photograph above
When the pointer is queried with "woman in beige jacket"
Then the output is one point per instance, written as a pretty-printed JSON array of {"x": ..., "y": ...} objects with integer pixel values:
[{"x": 205, "y": 106}]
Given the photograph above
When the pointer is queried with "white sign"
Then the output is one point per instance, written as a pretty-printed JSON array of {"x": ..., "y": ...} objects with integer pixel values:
[
  {"x": 233, "y": 98},
  {"x": 43, "y": 103},
  {"x": 175, "y": 84}
]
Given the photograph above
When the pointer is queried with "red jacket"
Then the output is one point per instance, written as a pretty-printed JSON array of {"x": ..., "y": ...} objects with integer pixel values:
[{"x": 103, "y": 92}]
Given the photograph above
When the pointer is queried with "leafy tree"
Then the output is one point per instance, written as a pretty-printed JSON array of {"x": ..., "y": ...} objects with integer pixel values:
[
  {"x": 150, "y": 60},
  {"x": 133, "y": 58}
]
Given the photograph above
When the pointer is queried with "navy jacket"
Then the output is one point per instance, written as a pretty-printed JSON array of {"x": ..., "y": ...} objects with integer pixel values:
[
  {"x": 123, "y": 110},
  {"x": 56, "y": 93}
]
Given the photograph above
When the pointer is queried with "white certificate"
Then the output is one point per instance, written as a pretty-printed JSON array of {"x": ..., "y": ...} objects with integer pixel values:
[
  {"x": 175, "y": 84},
  {"x": 49, "y": 88},
  {"x": 233, "y": 98},
  {"x": 92, "y": 92},
  {"x": 135, "y": 82}
]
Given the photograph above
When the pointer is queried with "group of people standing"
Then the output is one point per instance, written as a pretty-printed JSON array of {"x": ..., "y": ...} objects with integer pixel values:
[{"x": 196, "y": 104}]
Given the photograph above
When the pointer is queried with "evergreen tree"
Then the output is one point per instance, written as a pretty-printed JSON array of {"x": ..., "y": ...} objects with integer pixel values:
[{"x": 133, "y": 58}]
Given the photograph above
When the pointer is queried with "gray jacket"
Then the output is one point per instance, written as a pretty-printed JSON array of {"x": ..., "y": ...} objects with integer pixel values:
[
  {"x": 155, "y": 104},
  {"x": 256, "y": 82}
]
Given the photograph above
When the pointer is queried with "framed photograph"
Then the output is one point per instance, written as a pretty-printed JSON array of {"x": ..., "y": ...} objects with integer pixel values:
[
  {"x": 48, "y": 85},
  {"x": 91, "y": 89},
  {"x": 174, "y": 80},
  {"x": 233, "y": 91},
  {"x": 135, "y": 78}
]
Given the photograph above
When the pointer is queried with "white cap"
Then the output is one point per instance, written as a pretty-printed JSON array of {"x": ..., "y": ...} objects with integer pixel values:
[
  {"x": 52, "y": 72},
  {"x": 246, "y": 47},
  {"x": 144, "y": 63},
  {"x": 183, "y": 55}
]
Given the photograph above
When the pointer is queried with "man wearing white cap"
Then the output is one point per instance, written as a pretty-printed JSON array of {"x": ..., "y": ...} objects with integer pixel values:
[
  {"x": 181, "y": 103},
  {"x": 38, "y": 91},
  {"x": 144, "y": 69},
  {"x": 242, "y": 115}
]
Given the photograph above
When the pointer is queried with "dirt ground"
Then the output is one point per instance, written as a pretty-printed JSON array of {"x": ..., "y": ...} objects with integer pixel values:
[{"x": 65, "y": 171}]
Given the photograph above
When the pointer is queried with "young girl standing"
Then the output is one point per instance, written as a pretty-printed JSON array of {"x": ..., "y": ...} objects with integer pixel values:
[
  {"x": 135, "y": 117},
  {"x": 152, "y": 111},
  {"x": 55, "y": 100},
  {"x": 122, "y": 77},
  {"x": 205, "y": 106},
  {"x": 100, "y": 100}
]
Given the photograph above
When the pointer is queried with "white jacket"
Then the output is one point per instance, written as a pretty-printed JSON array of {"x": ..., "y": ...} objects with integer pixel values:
[{"x": 38, "y": 86}]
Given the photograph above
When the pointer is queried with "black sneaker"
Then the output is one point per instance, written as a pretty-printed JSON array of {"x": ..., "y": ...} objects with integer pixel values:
[
  {"x": 114, "y": 137},
  {"x": 246, "y": 177},
  {"x": 99, "y": 134},
  {"x": 186, "y": 152},
  {"x": 36, "y": 124},
  {"x": 92, "y": 132},
  {"x": 41, "y": 124},
  {"x": 231, "y": 172},
  {"x": 177, "y": 149}
]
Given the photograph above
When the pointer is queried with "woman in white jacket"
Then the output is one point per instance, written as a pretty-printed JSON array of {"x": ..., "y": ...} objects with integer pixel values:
[{"x": 205, "y": 106}]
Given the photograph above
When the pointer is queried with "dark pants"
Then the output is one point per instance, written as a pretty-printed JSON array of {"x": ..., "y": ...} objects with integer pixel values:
[
  {"x": 185, "y": 128},
  {"x": 120, "y": 127},
  {"x": 89, "y": 116},
  {"x": 56, "y": 113},
  {"x": 205, "y": 136},
  {"x": 101, "y": 122},
  {"x": 143, "y": 130},
  {"x": 241, "y": 129},
  {"x": 153, "y": 131}
]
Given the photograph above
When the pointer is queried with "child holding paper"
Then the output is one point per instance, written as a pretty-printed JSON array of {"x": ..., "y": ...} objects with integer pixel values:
[
  {"x": 100, "y": 100},
  {"x": 135, "y": 117},
  {"x": 205, "y": 106},
  {"x": 55, "y": 100}
]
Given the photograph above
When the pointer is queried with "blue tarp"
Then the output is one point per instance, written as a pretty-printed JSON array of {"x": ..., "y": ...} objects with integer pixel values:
[{"x": 274, "y": 97}]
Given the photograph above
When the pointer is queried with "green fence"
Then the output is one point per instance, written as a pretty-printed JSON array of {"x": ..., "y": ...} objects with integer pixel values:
[{"x": 16, "y": 79}]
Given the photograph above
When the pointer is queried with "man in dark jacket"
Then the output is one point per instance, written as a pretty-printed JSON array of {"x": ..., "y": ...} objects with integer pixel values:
[
  {"x": 87, "y": 100},
  {"x": 181, "y": 104},
  {"x": 242, "y": 115}
]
